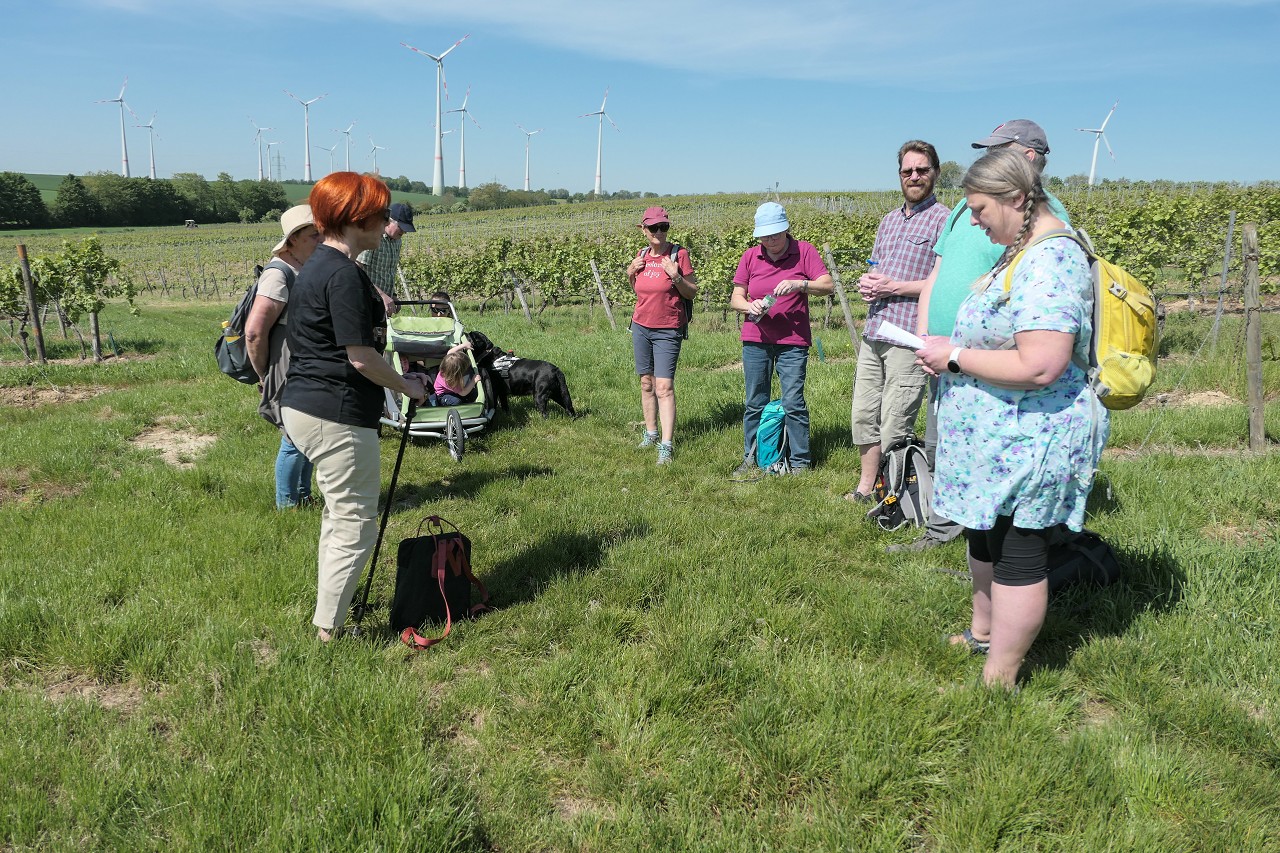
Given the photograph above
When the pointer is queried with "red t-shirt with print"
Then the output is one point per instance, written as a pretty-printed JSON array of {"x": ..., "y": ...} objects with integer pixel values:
[{"x": 657, "y": 300}]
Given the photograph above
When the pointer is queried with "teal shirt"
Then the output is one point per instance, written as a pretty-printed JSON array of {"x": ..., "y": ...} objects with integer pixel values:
[{"x": 966, "y": 254}]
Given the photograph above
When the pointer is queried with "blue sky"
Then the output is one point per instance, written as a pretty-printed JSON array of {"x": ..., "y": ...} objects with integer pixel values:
[{"x": 730, "y": 95}]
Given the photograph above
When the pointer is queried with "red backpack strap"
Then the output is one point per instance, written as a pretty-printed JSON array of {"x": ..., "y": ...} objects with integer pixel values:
[{"x": 439, "y": 565}]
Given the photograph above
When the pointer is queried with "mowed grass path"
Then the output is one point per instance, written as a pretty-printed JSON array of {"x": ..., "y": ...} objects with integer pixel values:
[{"x": 677, "y": 662}]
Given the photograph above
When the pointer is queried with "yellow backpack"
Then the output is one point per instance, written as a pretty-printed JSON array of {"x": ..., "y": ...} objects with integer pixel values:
[{"x": 1122, "y": 350}]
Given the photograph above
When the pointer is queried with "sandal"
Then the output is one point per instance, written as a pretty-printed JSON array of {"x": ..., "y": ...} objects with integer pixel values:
[{"x": 966, "y": 638}]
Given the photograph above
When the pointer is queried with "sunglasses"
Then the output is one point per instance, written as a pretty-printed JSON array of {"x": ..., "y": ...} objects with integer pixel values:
[
  {"x": 661, "y": 227},
  {"x": 922, "y": 171}
]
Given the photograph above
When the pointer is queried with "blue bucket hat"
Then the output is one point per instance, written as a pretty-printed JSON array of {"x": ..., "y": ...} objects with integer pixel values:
[{"x": 771, "y": 218}]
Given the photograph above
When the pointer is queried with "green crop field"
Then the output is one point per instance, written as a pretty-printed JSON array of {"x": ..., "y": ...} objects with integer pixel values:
[{"x": 677, "y": 661}]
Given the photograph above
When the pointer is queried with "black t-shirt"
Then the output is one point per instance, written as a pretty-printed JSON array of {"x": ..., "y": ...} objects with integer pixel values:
[{"x": 333, "y": 305}]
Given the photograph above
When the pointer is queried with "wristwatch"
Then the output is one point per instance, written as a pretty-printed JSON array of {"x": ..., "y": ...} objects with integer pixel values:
[{"x": 953, "y": 360}]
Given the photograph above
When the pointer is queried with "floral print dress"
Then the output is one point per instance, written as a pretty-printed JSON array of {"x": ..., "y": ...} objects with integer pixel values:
[{"x": 1027, "y": 454}]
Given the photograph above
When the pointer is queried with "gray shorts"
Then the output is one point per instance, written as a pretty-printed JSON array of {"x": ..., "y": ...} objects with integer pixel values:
[
  {"x": 657, "y": 350},
  {"x": 887, "y": 391}
]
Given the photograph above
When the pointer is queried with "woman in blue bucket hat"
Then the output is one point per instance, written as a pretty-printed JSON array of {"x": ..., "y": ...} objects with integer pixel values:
[{"x": 772, "y": 288}]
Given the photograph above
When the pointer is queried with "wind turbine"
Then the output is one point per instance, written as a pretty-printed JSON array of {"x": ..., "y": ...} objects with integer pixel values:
[
  {"x": 330, "y": 149},
  {"x": 151, "y": 132},
  {"x": 528, "y": 135},
  {"x": 347, "y": 134},
  {"x": 437, "y": 176},
  {"x": 462, "y": 138},
  {"x": 269, "y": 170},
  {"x": 258, "y": 138},
  {"x": 600, "y": 135},
  {"x": 306, "y": 137},
  {"x": 124, "y": 149},
  {"x": 1099, "y": 136},
  {"x": 374, "y": 151}
]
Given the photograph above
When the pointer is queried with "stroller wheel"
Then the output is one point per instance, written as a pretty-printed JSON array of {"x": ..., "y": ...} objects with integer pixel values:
[{"x": 454, "y": 435}]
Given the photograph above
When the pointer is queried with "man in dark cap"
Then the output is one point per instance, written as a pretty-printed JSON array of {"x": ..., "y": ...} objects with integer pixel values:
[{"x": 383, "y": 263}]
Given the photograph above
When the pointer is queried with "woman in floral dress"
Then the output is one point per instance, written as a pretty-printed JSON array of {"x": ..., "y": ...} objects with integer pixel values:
[{"x": 1020, "y": 430}]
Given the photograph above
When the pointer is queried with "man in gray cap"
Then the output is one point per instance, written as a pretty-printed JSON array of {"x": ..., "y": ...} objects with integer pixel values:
[
  {"x": 383, "y": 263},
  {"x": 968, "y": 254}
]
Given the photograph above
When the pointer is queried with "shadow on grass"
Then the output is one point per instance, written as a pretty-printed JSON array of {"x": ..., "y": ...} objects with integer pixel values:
[
  {"x": 720, "y": 417},
  {"x": 560, "y": 553},
  {"x": 465, "y": 483},
  {"x": 1151, "y": 581}
]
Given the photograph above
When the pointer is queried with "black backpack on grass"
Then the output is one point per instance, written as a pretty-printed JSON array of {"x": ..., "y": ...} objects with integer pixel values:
[
  {"x": 1080, "y": 558},
  {"x": 904, "y": 486},
  {"x": 230, "y": 349}
]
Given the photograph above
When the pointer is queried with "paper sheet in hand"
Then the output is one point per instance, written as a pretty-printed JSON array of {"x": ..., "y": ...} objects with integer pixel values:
[{"x": 900, "y": 336}]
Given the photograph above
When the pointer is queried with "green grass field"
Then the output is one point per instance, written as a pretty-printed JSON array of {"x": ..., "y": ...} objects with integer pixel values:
[{"x": 677, "y": 662}]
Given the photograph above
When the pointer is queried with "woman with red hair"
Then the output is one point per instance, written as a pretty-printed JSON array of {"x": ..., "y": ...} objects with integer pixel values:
[{"x": 334, "y": 396}]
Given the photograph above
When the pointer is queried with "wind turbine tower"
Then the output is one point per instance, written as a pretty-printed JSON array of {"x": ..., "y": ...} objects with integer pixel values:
[
  {"x": 437, "y": 176},
  {"x": 1099, "y": 135},
  {"x": 330, "y": 149},
  {"x": 462, "y": 138},
  {"x": 257, "y": 137},
  {"x": 347, "y": 134},
  {"x": 600, "y": 135},
  {"x": 306, "y": 136},
  {"x": 151, "y": 132},
  {"x": 374, "y": 151},
  {"x": 124, "y": 148},
  {"x": 528, "y": 135},
  {"x": 273, "y": 175}
]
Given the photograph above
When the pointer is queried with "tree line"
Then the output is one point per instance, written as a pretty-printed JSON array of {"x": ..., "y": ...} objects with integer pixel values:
[{"x": 105, "y": 199}]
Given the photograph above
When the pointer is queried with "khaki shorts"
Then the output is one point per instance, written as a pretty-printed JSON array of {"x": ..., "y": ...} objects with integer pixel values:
[{"x": 887, "y": 391}]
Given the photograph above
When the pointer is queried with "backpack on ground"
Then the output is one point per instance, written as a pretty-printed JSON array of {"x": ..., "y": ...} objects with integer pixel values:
[
  {"x": 1080, "y": 558},
  {"x": 1122, "y": 350},
  {"x": 686, "y": 304},
  {"x": 230, "y": 349},
  {"x": 772, "y": 447},
  {"x": 433, "y": 583},
  {"x": 904, "y": 486}
]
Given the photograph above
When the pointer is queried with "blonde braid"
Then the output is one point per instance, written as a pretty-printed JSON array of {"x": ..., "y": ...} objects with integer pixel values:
[{"x": 1032, "y": 208}]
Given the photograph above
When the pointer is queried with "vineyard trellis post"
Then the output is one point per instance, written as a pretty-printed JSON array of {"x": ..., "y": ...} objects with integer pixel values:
[
  {"x": 33, "y": 310},
  {"x": 515, "y": 283},
  {"x": 844, "y": 303},
  {"x": 1222, "y": 282},
  {"x": 1253, "y": 339},
  {"x": 604, "y": 298}
]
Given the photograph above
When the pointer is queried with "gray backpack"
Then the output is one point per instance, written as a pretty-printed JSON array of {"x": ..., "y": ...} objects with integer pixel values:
[{"x": 904, "y": 486}]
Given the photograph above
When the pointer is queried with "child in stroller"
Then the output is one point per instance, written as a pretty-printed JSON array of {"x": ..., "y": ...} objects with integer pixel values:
[{"x": 456, "y": 381}]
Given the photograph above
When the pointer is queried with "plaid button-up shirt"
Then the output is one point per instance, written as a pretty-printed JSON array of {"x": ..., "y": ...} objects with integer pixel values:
[
  {"x": 904, "y": 252},
  {"x": 383, "y": 263}
]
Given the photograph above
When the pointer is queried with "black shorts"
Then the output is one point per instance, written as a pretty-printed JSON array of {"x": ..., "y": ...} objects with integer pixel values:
[{"x": 1019, "y": 555}]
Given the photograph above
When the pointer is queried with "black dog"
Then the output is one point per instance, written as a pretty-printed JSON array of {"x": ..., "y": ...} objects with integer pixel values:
[{"x": 521, "y": 376}]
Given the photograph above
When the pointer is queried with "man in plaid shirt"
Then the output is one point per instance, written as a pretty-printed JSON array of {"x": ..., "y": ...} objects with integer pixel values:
[
  {"x": 383, "y": 263},
  {"x": 889, "y": 386}
]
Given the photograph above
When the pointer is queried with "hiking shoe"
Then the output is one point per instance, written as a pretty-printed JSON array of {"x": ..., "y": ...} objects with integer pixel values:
[
  {"x": 924, "y": 543},
  {"x": 748, "y": 470},
  {"x": 665, "y": 453},
  {"x": 649, "y": 440}
]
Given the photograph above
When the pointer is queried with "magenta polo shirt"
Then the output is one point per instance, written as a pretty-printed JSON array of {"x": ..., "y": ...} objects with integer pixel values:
[{"x": 788, "y": 320}]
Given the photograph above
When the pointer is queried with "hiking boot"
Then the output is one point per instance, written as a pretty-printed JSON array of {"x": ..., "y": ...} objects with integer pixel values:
[
  {"x": 924, "y": 543},
  {"x": 649, "y": 440},
  {"x": 748, "y": 470},
  {"x": 665, "y": 453}
]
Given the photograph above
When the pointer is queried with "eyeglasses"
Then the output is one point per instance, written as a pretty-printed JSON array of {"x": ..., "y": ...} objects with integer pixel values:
[
  {"x": 922, "y": 171},
  {"x": 662, "y": 227}
]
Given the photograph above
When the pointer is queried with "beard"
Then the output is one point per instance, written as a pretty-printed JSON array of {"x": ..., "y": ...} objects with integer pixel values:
[{"x": 916, "y": 193}]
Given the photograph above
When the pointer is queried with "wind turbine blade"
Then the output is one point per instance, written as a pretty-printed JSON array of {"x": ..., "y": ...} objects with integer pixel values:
[
  {"x": 122, "y": 88},
  {"x": 1108, "y": 144},
  {"x": 291, "y": 95},
  {"x": 589, "y": 115},
  {"x": 605, "y": 99},
  {"x": 473, "y": 119},
  {"x": 1109, "y": 115},
  {"x": 615, "y": 127},
  {"x": 455, "y": 44},
  {"x": 421, "y": 52}
]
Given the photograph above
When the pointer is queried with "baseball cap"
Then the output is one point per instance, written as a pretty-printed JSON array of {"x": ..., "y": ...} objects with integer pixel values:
[
  {"x": 403, "y": 215},
  {"x": 1023, "y": 131},
  {"x": 654, "y": 215},
  {"x": 291, "y": 221},
  {"x": 771, "y": 218}
]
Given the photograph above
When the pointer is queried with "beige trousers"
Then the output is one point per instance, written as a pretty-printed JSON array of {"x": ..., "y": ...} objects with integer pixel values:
[{"x": 347, "y": 467}]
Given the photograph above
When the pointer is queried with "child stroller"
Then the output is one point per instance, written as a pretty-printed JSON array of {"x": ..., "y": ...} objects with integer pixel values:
[{"x": 419, "y": 343}]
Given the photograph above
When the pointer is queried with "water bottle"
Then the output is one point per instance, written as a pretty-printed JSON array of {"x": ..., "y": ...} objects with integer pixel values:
[{"x": 768, "y": 303}]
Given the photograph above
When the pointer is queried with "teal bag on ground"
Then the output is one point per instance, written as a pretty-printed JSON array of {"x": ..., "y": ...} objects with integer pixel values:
[{"x": 771, "y": 439}]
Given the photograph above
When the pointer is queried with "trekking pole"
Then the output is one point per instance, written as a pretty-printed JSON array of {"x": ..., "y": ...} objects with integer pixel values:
[{"x": 362, "y": 605}]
